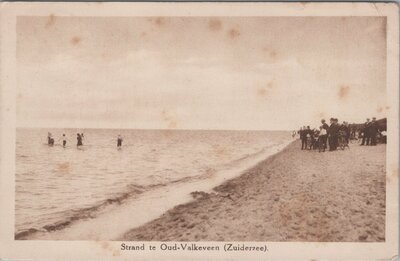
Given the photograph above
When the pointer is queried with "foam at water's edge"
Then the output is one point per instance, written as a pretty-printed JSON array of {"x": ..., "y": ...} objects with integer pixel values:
[
  {"x": 91, "y": 212},
  {"x": 155, "y": 201}
]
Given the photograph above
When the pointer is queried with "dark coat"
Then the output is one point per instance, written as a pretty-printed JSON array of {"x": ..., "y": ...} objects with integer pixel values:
[
  {"x": 345, "y": 129},
  {"x": 333, "y": 129},
  {"x": 373, "y": 128},
  {"x": 366, "y": 127}
]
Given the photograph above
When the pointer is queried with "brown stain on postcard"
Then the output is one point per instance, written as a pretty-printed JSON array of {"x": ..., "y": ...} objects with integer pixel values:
[
  {"x": 271, "y": 54},
  {"x": 109, "y": 248},
  {"x": 263, "y": 92},
  {"x": 105, "y": 245},
  {"x": 343, "y": 91},
  {"x": 381, "y": 109},
  {"x": 76, "y": 40},
  {"x": 50, "y": 21},
  {"x": 169, "y": 119},
  {"x": 215, "y": 24},
  {"x": 303, "y": 4},
  {"x": 159, "y": 21},
  {"x": 63, "y": 167},
  {"x": 321, "y": 115},
  {"x": 233, "y": 33}
]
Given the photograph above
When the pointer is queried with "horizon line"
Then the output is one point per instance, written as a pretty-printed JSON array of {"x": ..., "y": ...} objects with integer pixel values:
[
  {"x": 152, "y": 129},
  {"x": 170, "y": 129}
]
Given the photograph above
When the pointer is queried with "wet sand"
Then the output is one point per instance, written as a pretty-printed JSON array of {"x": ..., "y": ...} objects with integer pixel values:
[{"x": 292, "y": 196}]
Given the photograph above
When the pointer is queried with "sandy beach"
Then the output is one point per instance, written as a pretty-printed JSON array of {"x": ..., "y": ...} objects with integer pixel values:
[{"x": 292, "y": 196}]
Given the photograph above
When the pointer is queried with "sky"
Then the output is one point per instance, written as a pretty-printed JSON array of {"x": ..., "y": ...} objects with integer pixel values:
[{"x": 236, "y": 73}]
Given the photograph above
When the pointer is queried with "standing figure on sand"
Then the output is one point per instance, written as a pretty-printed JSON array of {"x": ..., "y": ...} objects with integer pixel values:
[
  {"x": 324, "y": 134},
  {"x": 333, "y": 133},
  {"x": 365, "y": 133},
  {"x": 373, "y": 131},
  {"x": 303, "y": 137}
]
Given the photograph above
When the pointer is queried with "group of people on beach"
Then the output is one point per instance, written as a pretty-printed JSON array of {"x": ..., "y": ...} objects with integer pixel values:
[
  {"x": 79, "y": 140},
  {"x": 369, "y": 133},
  {"x": 338, "y": 135}
]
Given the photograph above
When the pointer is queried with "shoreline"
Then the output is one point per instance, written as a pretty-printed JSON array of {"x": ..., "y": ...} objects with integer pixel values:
[
  {"x": 292, "y": 195},
  {"x": 119, "y": 218}
]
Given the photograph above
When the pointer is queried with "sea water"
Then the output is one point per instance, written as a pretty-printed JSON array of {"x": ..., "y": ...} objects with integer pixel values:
[{"x": 57, "y": 186}]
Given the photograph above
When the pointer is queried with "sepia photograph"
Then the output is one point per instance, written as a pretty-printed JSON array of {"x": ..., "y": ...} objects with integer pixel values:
[
  {"x": 90, "y": 91},
  {"x": 191, "y": 129}
]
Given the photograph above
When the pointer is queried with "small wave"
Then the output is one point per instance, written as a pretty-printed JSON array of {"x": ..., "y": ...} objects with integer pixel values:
[
  {"x": 72, "y": 216},
  {"x": 26, "y": 233},
  {"x": 247, "y": 156},
  {"x": 77, "y": 214},
  {"x": 133, "y": 190},
  {"x": 92, "y": 211}
]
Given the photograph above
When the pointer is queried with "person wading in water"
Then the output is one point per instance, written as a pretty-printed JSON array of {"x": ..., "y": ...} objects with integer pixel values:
[
  {"x": 50, "y": 139},
  {"x": 64, "y": 140},
  {"x": 79, "y": 140},
  {"x": 119, "y": 141}
]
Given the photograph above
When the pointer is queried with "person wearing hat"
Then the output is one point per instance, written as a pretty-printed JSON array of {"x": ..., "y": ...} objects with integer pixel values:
[
  {"x": 332, "y": 135},
  {"x": 373, "y": 131},
  {"x": 353, "y": 130},
  {"x": 303, "y": 137},
  {"x": 365, "y": 132},
  {"x": 336, "y": 137},
  {"x": 309, "y": 137},
  {"x": 346, "y": 129},
  {"x": 324, "y": 134}
]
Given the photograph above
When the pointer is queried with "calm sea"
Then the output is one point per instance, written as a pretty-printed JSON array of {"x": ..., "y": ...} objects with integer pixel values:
[{"x": 56, "y": 186}]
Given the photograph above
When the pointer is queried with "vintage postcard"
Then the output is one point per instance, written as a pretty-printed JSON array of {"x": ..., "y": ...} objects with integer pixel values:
[{"x": 200, "y": 131}]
